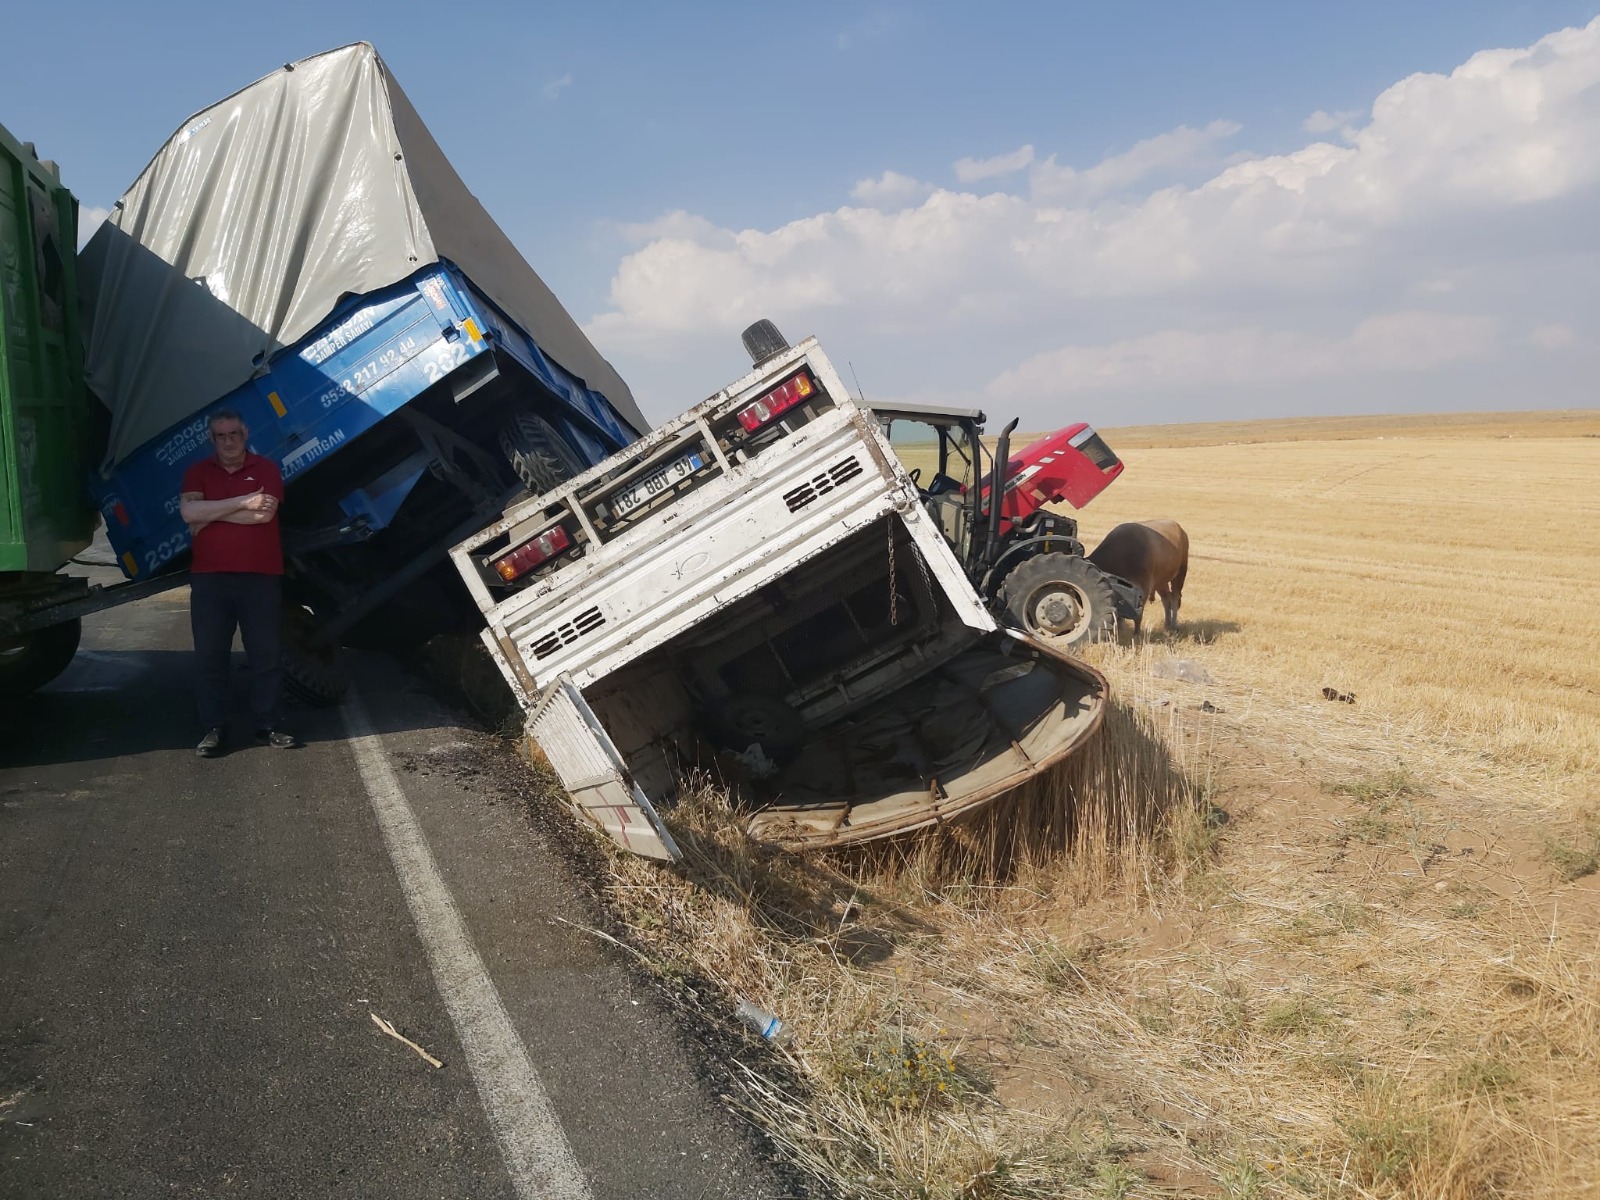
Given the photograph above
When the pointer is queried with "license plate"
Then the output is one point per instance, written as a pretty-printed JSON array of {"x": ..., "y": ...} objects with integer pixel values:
[{"x": 652, "y": 485}]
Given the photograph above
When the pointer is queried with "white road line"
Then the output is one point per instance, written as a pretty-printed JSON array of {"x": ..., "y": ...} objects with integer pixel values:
[{"x": 535, "y": 1148}]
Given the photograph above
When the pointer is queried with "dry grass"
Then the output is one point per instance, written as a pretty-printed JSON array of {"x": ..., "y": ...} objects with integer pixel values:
[
  {"x": 1448, "y": 582},
  {"x": 1254, "y": 944},
  {"x": 1563, "y": 423},
  {"x": 897, "y": 1093}
]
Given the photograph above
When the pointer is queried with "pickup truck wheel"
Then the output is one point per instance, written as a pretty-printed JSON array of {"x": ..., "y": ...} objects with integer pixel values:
[
  {"x": 536, "y": 452},
  {"x": 1060, "y": 598},
  {"x": 30, "y": 660},
  {"x": 748, "y": 718},
  {"x": 312, "y": 675}
]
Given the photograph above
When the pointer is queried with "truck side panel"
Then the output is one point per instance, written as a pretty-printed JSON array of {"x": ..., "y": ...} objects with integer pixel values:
[
  {"x": 357, "y": 368},
  {"x": 367, "y": 361},
  {"x": 44, "y": 516},
  {"x": 714, "y": 551}
]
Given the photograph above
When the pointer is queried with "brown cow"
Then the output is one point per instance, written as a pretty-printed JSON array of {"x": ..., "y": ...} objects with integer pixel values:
[{"x": 1152, "y": 554}]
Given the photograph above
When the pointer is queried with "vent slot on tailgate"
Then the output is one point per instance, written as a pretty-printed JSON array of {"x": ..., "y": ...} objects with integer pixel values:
[
  {"x": 820, "y": 485},
  {"x": 568, "y": 632}
]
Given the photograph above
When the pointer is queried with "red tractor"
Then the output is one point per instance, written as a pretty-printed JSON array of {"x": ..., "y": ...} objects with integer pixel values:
[{"x": 1028, "y": 562}]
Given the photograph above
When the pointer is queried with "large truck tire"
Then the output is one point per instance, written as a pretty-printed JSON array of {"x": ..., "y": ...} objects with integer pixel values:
[
  {"x": 430, "y": 605},
  {"x": 537, "y": 453},
  {"x": 30, "y": 660},
  {"x": 1061, "y": 599},
  {"x": 312, "y": 675}
]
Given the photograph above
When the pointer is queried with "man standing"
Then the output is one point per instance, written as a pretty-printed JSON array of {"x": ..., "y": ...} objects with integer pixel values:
[{"x": 230, "y": 503}]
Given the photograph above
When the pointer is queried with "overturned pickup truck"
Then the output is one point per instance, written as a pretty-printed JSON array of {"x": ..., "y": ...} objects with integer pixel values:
[{"x": 756, "y": 589}]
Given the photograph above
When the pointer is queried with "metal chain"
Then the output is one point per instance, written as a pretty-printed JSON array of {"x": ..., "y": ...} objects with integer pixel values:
[
  {"x": 894, "y": 598},
  {"x": 922, "y": 570}
]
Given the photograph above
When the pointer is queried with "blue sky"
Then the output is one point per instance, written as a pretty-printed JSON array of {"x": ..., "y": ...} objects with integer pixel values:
[{"x": 673, "y": 175}]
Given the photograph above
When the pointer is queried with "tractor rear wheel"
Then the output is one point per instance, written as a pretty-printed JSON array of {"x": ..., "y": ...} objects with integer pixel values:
[
  {"x": 537, "y": 453},
  {"x": 1060, "y": 598}
]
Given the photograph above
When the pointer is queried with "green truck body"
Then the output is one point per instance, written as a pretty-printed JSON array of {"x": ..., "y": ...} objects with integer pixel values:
[
  {"x": 46, "y": 429},
  {"x": 45, "y": 514}
]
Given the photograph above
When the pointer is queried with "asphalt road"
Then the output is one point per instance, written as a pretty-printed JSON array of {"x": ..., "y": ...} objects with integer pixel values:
[{"x": 192, "y": 951}]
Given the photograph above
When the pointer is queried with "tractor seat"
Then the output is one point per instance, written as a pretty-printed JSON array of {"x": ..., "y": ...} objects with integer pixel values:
[{"x": 949, "y": 511}]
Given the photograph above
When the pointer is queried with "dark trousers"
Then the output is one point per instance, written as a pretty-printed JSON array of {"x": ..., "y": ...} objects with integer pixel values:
[{"x": 219, "y": 603}]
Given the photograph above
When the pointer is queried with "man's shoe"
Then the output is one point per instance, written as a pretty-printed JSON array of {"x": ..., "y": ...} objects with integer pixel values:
[
  {"x": 211, "y": 746},
  {"x": 278, "y": 739}
]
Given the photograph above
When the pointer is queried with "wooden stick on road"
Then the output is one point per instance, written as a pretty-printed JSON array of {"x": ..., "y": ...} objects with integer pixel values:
[{"x": 398, "y": 1036}]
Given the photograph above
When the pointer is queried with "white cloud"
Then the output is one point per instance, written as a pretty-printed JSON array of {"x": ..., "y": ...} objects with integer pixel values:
[
  {"x": 1329, "y": 122},
  {"x": 556, "y": 86},
  {"x": 701, "y": 278},
  {"x": 1177, "y": 150},
  {"x": 890, "y": 190},
  {"x": 1184, "y": 359},
  {"x": 90, "y": 218},
  {"x": 675, "y": 226},
  {"x": 1553, "y": 337},
  {"x": 971, "y": 170},
  {"x": 1477, "y": 185}
]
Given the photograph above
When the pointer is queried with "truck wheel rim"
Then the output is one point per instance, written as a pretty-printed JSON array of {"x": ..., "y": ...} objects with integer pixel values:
[
  {"x": 1058, "y": 609},
  {"x": 753, "y": 723}
]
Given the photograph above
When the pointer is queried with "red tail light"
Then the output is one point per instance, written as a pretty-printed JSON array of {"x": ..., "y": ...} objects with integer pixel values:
[
  {"x": 531, "y": 553},
  {"x": 778, "y": 401}
]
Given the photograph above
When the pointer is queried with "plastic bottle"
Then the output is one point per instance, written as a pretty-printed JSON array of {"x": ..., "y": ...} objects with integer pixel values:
[{"x": 760, "y": 1020}]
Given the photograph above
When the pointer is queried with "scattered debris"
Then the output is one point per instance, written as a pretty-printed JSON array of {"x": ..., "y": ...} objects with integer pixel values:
[
  {"x": 400, "y": 1037},
  {"x": 1329, "y": 693},
  {"x": 1186, "y": 669},
  {"x": 754, "y": 759},
  {"x": 760, "y": 1020}
]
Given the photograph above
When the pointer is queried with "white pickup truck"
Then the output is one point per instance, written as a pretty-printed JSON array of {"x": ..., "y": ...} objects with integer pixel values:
[{"x": 755, "y": 590}]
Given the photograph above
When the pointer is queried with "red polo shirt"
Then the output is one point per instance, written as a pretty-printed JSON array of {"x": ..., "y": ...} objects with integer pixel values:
[{"x": 222, "y": 546}]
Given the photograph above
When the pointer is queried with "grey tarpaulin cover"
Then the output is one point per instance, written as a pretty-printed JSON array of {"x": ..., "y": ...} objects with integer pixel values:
[{"x": 316, "y": 182}]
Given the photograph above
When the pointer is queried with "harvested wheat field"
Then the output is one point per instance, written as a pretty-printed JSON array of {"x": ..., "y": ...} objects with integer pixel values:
[{"x": 1256, "y": 943}]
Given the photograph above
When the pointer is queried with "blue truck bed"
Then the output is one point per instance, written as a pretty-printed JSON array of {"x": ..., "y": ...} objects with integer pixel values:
[{"x": 374, "y": 355}]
